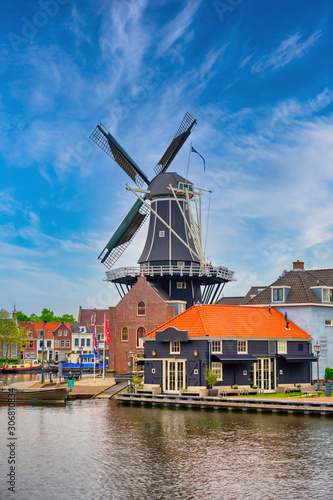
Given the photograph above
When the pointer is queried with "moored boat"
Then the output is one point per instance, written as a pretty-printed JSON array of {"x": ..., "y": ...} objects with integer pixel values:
[
  {"x": 25, "y": 366},
  {"x": 54, "y": 395}
]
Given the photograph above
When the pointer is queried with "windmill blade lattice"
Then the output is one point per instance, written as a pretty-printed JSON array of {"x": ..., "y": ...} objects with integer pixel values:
[
  {"x": 124, "y": 234},
  {"x": 102, "y": 137},
  {"x": 181, "y": 135}
]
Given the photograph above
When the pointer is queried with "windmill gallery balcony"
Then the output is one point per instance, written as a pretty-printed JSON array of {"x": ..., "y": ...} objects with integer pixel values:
[{"x": 220, "y": 273}]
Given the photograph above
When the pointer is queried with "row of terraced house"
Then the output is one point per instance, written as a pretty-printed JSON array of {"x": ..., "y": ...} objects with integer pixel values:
[{"x": 60, "y": 341}]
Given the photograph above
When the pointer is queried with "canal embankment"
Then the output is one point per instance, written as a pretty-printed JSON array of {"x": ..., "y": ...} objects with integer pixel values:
[{"x": 310, "y": 405}]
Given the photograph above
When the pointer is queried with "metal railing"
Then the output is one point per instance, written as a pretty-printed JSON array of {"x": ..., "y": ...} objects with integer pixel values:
[{"x": 186, "y": 271}]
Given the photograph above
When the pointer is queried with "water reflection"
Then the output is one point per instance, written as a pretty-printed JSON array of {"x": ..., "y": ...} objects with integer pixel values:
[
  {"x": 98, "y": 450},
  {"x": 10, "y": 378}
]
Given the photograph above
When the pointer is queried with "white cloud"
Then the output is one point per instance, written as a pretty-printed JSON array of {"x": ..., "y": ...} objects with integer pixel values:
[
  {"x": 291, "y": 48},
  {"x": 8, "y": 204},
  {"x": 176, "y": 28}
]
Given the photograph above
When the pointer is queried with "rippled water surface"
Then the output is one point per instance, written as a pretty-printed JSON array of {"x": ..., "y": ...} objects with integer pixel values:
[{"x": 98, "y": 450}]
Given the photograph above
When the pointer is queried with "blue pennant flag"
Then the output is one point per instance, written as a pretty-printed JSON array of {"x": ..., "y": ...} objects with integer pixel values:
[{"x": 203, "y": 159}]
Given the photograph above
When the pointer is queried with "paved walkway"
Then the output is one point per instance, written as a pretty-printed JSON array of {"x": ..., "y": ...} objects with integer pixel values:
[{"x": 85, "y": 388}]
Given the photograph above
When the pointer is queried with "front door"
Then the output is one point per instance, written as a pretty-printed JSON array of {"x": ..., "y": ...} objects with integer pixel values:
[
  {"x": 263, "y": 374},
  {"x": 174, "y": 375}
]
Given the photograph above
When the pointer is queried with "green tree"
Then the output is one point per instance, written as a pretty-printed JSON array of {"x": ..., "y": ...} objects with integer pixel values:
[
  {"x": 210, "y": 376},
  {"x": 4, "y": 313},
  {"x": 68, "y": 318},
  {"x": 11, "y": 335},
  {"x": 22, "y": 317},
  {"x": 46, "y": 315}
]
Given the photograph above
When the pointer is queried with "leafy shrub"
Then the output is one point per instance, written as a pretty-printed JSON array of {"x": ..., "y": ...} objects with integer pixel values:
[{"x": 329, "y": 373}]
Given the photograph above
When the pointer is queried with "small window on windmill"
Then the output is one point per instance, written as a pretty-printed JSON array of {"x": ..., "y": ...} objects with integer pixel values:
[
  {"x": 186, "y": 207},
  {"x": 180, "y": 186},
  {"x": 180, "y": 264},
  {"x": 161, "y": 234},
  {"x": 189, "y": 236},
  {"x": 179, "y": 284}
]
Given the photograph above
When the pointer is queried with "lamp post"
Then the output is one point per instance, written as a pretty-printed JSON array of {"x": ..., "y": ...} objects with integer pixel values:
[
  {"x": 317, "y": 348},
  {"x": 130, "y": 364},
  {"x": 43, "y": 351}
]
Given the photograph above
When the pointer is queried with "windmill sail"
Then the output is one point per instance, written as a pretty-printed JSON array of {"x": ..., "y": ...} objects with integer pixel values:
[
  {"x": 102, "y": 137},
  {"x": 124, "y": 234},
  {"x": 181, "y": 135}
]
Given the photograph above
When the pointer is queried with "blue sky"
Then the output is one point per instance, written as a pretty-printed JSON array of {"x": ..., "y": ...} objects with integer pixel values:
[{"x": 256, "y": 75}]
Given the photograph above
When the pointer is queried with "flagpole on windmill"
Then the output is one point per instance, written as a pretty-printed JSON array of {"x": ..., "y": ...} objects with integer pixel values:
[{"x": 188, "y": 161}]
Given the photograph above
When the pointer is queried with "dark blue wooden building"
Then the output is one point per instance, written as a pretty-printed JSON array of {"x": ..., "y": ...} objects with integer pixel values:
[{"x": 244, "y": 346}]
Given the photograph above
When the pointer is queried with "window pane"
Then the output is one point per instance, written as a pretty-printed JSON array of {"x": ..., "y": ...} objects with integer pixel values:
[
  {"x": 124, "y": 334},
  {"x": 141, "y": 309},
  {"x": 139, "y": 334},
  {"x": 271, "y": 347}
]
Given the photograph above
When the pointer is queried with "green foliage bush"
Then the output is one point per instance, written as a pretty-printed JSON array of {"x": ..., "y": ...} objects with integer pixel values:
[
  {"x": 329, "y": 373},
  {"x": 210, "y": 376}
]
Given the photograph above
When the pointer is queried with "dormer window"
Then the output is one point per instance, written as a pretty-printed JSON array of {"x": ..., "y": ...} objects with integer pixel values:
[
  {"x": 279, "y": 293},
  {"x": 327, "y": 294}
]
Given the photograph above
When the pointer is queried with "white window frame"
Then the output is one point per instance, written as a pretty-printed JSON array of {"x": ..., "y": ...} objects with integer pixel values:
[
  {"x": 328, "y": 322},
  {"x": 62, "y": 344},
  {"x": 68, "y": 343},
  {"x": 282, "y": 347},
  {"x": 217, "y": 369},
  {"x": 65, "y": 333},
  {"x": 175, "y": 347},
  {"x": 277, "y": 290},
  {"x": 241, "y": 346},
  {"x": 59, "y": 333},
  {"x": 161, "y": 234},
  {"x": 329, "y": 292},
  {"x": 217, "y": 348}
]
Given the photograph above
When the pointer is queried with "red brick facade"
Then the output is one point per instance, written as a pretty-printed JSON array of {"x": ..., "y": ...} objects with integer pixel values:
[
  {"x": 62, "y": 341},
  {"x": 132, "y": 316}
]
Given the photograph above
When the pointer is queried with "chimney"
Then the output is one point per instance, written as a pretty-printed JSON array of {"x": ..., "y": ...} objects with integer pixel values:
[{"x": 298, "y": 265}]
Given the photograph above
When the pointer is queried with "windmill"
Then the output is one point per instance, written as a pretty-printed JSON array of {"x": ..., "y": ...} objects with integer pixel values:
[{"x": 172, "y": 257}]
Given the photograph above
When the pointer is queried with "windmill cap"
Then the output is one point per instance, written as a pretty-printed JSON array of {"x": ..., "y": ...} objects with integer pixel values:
[{"x": 159, "y": 185}]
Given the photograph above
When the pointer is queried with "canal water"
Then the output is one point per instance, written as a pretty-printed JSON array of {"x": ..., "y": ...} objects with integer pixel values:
[{"x": 95, "y": 449}]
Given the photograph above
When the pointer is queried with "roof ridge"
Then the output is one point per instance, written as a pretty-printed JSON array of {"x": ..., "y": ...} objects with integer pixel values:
[
  {"x": 201, "y": 319},
  {"x": 305, "y": 286},
  {"x": 316, "y": 277}
]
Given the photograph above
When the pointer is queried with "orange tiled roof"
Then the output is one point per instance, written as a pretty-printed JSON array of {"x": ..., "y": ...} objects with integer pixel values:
[
  {"x": 233, "y": 321},
  {"x": 50, "y": 327}
]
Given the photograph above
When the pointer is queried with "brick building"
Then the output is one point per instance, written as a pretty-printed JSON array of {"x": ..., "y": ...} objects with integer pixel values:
[
  {"x": 142, "y": 309},
  {"x": 29, "y": 346},
  {"x": 62, "y": 341}
]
